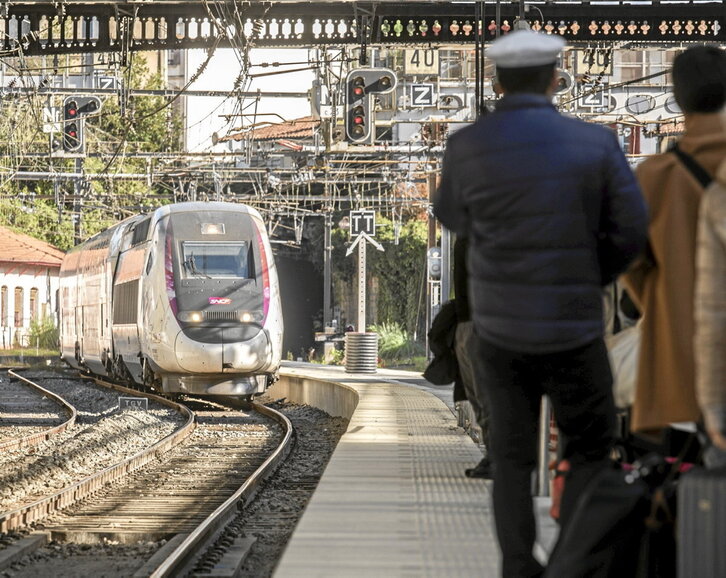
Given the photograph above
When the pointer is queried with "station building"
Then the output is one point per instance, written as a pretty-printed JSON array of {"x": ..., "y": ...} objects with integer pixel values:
[{"x": 29, "y": 278}]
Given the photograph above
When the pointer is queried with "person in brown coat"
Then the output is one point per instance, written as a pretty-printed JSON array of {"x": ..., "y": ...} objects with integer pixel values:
[{"x": 661, "y": 282}]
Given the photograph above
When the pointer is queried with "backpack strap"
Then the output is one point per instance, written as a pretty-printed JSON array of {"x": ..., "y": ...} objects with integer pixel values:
[{"x": 693, "y": 167}]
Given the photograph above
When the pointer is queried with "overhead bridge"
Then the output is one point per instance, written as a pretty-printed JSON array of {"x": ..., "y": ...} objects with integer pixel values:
[{"x": 71, "y": 26}]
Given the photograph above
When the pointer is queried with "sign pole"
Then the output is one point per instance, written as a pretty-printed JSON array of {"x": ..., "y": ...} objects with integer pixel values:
[
  {"x": 362, "y": 227},
  {"x": 362, "y": 286}
]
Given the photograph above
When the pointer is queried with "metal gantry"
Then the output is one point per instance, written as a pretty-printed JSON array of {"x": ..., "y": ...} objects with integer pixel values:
[{"x": 71, "y": 26}]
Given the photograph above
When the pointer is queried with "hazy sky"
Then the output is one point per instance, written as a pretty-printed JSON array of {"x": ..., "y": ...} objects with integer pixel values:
[{"x": 221, "y": 73}]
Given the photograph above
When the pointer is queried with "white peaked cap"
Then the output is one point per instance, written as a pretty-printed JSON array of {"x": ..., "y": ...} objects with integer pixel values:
[{"x": 523, "y": 48}]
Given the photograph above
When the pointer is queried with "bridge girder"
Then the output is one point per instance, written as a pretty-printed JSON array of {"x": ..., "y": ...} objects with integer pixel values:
[{"x": 69, "y": 26}]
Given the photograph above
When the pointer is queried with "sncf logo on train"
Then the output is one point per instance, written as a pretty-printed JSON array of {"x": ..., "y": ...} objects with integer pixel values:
[{"x": 220, "y": 301}]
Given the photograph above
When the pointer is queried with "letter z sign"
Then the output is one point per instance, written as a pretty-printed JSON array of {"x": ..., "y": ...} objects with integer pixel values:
[{"x": 422, "y": 95}]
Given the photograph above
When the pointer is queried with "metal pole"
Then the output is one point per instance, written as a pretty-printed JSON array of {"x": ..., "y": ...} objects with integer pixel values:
[
  {"x": 362, "y": 286},
  {"x": 327, "y": 271},
  {"x": 543, "y": 458},
  {"x": 78, "y": 201},
  {"x": 431, "y": 242},
  {"x": 445, "y": 264}
]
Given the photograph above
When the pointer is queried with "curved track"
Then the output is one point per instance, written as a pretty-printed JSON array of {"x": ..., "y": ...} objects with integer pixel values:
[
  {"x": 193, "y": 545},
  {"x": 27, "y": 514},
  {"x": 192, "y": 491},
  {"x": 27, "y": 409}
]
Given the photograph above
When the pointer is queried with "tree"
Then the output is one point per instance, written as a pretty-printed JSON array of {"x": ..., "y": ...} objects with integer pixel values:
[
  {"x": 45, "y": 210},
  {"x": 399, "y": 272}
]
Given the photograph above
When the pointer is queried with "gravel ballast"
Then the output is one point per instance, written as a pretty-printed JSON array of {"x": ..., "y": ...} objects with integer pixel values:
[
  {"x": 270, "y": 518},
  {"x": 102, "y": 436}
]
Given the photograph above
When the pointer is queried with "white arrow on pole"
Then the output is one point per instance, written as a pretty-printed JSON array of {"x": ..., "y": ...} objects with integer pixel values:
[{"x": 366, "y": 237}]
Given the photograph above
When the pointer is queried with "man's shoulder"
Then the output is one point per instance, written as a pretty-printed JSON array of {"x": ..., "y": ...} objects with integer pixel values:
[{"x": 466, "y": 132}]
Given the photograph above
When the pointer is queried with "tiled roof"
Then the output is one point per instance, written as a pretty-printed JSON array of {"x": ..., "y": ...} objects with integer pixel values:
[
  {"x": 300, "y": 128},
  {"x": 19, "y": 248}
]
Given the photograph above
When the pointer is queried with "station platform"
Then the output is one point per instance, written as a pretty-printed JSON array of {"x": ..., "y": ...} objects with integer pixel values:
[{"x": 394, "y": 500}]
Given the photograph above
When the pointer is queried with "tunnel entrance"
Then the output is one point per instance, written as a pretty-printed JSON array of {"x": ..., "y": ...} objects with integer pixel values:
[{"x": 301, "y": 290}]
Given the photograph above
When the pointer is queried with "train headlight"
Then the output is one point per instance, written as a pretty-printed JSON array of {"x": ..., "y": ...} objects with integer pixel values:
[
  {"x": 212, "y": 228},
  {"x": 190, "y": 316},
  {"x": 250, "y": 316}
]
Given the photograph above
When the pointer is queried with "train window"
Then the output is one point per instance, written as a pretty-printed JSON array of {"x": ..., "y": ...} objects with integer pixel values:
[
  {"x": 212, "y": 260},
  {"x": 126, "y": 302},
  {"x": 141, "y": 231}
]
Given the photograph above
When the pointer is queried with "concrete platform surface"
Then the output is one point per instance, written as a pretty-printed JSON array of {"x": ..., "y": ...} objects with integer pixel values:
[{"x": 394, "y": 500}]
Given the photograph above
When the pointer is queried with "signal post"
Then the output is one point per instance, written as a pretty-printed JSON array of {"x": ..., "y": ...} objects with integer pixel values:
[
  {"x": 361, "y": 347},
  {"x": 75, "y": 109},
  {"x": 361, "y": 84}
]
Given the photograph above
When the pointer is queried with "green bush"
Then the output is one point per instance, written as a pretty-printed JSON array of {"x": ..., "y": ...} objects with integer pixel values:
[
  {"x": 44, "y": 334},
  {"x": 336, "y": 357},
  {"x": 394, "y": 343}
]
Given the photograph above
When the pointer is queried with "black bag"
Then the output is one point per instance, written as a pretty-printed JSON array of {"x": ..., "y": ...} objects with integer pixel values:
[
  {"x": 622, "y": 527},
  {"x": 604, "y": 534},
  {"x": 443, "y": 369}
]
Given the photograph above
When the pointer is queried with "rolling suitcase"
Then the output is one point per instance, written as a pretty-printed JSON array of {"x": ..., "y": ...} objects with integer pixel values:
[{"x": 702, "y": 524}]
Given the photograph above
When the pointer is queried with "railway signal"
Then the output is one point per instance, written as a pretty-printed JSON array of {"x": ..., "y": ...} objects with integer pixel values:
[
  {"x": 74, "y": 109},
  {"x": 361, "y": 84},
  {"x": 72, "y": 126},
  {"x": 565, "y": 82},
  {"x": 434, "y": 263}
]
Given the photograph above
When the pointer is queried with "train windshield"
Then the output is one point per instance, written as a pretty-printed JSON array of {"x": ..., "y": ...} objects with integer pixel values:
[{"x": 214, "y": 260}]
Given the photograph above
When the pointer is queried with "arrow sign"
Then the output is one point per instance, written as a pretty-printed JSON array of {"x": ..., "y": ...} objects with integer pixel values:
[{"x": 365, "y": 237}]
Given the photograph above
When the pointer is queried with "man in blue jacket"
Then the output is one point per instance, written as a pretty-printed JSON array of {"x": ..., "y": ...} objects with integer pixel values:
[{"x": 553, "y": 213}]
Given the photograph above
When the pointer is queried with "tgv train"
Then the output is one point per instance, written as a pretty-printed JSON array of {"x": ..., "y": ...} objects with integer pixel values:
[{"x": 182, "y": 300}]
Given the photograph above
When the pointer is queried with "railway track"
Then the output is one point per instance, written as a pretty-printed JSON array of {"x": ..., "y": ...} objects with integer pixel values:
[
  {"x": 194, "y": 489},
  {"x": 30, "y": 414},
  {"x": 32, "y": 510}
]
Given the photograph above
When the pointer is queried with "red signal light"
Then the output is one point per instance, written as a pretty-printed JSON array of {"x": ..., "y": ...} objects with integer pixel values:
[
  {"x": 358, "y": 86},
  {"x": 71, "y": 109},
  {"x": 358, "y": 116}
]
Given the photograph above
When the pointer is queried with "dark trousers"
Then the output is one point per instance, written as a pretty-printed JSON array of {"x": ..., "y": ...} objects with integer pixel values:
[{"x": 579, "y": 385}]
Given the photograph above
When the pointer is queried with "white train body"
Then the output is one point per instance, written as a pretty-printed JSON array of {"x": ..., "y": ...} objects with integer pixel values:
[{"x": 185, "y": 299}]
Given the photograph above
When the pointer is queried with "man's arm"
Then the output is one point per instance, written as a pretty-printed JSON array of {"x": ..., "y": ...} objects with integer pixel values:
[{"x": 623, "y": 218}]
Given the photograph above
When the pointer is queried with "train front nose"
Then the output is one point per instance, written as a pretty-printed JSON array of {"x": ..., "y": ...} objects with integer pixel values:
[{"x": 222, "y": 349}]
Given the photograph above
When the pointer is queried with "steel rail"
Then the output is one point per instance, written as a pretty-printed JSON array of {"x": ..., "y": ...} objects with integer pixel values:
[
  {"x": 188, "y": 550},
  {"x": 38, "y": 437},
  {"x": 29, "y": 513}
]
